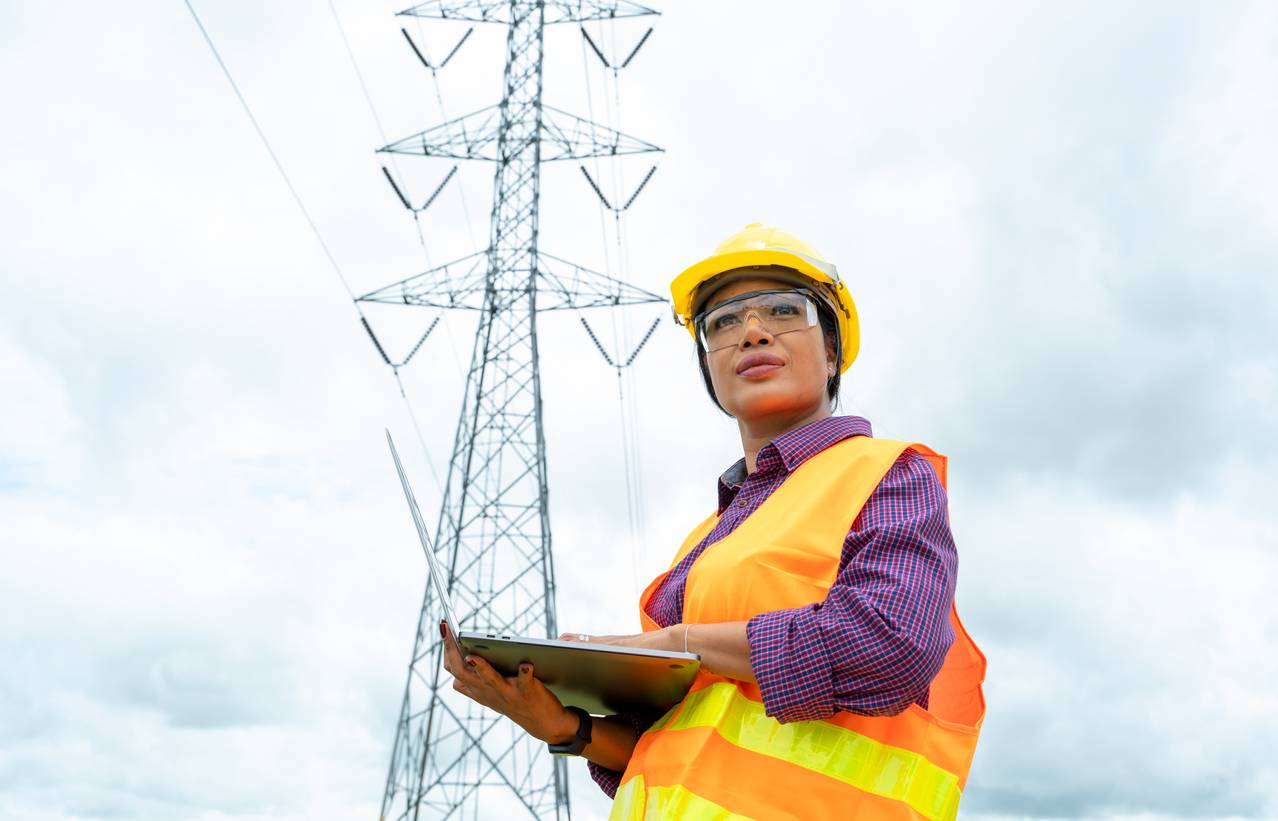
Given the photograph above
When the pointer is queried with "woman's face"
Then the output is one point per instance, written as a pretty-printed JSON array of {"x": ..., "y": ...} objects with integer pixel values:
[{"x": 766, "y": 375}]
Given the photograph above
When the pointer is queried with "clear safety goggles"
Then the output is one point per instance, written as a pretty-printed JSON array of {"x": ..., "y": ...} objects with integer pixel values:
[{"x": 778, "y": 310}]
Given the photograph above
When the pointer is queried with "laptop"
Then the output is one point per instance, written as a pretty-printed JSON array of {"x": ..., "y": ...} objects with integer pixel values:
[{"x": 599, "y": 678}]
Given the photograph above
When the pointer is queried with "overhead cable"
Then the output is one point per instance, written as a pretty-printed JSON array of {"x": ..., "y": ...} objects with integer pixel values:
[{"x": 274, "y": 158}]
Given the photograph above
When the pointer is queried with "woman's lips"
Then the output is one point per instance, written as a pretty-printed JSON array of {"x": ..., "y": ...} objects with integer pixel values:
[
  {"x": 759, "y": 364},
  {"x": 758, "y": 370}
]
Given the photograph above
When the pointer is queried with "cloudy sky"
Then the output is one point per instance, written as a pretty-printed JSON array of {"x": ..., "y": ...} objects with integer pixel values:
[{"x": 1060, "y": 223}]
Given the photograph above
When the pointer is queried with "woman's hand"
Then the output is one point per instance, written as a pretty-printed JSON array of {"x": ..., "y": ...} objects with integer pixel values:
[
  {"x": 667, "y": 638},
  {"x": 522, "y": 698}
]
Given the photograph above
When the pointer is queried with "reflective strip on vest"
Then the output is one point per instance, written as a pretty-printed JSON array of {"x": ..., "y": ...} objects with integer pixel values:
[
  {"x": 823, "y": 748},
  {"x": 634, "y": 803}
]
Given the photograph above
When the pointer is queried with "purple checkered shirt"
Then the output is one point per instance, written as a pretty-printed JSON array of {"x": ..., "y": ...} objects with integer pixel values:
[{"x": 876, "y": 642}]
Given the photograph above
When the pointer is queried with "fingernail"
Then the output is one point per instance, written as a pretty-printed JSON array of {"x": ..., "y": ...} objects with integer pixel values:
[
  {"x": 443, "y": 631},
  {"x": 470, "y": 661},
  {"x": 525, "y": 668}
]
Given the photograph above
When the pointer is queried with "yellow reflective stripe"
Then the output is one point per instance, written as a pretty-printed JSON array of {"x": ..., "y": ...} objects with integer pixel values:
[
  {"x": 831, "y": 750},
  {"x": 634, "y": 803},
  {"x": 627, "y": 804}
]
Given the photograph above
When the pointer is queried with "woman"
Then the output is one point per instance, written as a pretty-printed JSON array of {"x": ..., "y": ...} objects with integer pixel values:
[{"x": 836, "y": 681}]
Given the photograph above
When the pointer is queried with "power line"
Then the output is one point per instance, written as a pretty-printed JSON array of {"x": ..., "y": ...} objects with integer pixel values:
[
  {"x": 412, "y": 415},
  {"x": 381, "y": 132},
  {"x": 628, "y": 408},
  {"x": 274, "y": 158},
  {"x": 421, "y": 238},
  {"x": 359, "y": 75},
  {"x": 377, "y": 122}
]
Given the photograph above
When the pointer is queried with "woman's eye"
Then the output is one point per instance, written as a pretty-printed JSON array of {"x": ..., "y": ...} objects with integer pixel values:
[
  {"x": 784, "y": 310},
  {"x": 725, "y": 321}
]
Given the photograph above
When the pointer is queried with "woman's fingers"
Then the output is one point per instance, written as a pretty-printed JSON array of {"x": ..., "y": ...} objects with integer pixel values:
[
  {"x": 485, "y": 672},
  {"x": 452, "y": 658},
  {"x": 453, "y": 661},
  {"x": 637, "y": 640}
]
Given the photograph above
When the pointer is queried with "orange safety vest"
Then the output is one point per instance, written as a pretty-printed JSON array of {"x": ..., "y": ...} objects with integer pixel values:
[{"x": 717, "y": 755}]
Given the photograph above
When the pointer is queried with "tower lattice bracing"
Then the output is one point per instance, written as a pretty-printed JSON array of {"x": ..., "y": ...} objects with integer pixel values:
[{"x": 452, "y": 758}]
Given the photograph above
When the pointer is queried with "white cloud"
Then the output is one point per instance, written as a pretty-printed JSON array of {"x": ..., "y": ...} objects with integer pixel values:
[{"x": 1122, "y": 646}]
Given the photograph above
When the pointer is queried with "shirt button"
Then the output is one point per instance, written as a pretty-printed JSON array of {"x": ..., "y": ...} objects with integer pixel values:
[{"x": 741, "y": 503}]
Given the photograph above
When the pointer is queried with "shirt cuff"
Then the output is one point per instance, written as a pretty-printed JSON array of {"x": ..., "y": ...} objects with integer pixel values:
[
  {"x": 790, "y": 665},
  {"x": 608, "y": 780}
]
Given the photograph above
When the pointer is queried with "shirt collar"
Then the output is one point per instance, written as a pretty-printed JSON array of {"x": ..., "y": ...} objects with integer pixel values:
[{"x": 791, "y": 449}]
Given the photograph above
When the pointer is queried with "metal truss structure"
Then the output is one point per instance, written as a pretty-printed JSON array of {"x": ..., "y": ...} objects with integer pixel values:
[{"x": 451, "y": 757}]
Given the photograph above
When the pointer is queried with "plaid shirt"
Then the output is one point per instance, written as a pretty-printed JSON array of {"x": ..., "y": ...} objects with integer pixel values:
[{"x": 875, "y": 643}]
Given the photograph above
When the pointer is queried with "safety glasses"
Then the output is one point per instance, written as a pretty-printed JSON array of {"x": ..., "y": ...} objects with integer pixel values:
[{"x": 778, "y": 310}]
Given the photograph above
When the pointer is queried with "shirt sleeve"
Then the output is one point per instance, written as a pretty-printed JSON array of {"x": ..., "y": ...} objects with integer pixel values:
[
  {"x": 610, "y": 780},
  {"x": 881, "y": 635}
]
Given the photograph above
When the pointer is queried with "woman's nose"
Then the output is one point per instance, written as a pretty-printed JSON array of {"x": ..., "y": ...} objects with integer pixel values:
[{"x": 755, "y": 332}]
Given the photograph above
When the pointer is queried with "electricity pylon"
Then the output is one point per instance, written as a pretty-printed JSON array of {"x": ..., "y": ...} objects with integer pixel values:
[{"x": 452, "y": 757}]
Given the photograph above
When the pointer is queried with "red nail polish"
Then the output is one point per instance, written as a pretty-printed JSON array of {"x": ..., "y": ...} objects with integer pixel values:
[
  {"x": 442, "y": 630},
  {"x": 470, "y": 661}
]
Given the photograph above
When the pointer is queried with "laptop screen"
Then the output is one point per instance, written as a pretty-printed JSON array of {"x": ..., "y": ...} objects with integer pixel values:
[{"x": 436, "y": 577}]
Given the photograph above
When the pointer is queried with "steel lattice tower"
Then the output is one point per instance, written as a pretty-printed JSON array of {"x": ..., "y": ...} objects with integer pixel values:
[{"x": 450, "y": 755}]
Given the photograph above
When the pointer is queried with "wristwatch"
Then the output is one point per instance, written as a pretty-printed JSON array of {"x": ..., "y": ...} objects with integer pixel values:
[{"x": 578, "y": 742}]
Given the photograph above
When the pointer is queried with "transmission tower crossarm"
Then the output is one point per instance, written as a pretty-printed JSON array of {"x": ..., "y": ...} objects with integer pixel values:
[
  {"x": 456, "y": 284},
  {"x": 569, "y": 137},
  {"x": 476, "y": 136},
  {"x": 472, "y": 136},
  {"x": 498, "y": 11},
  {"x": 580, "y": 11},
  {"x": 474, "y": 11},
  {"x": 566, "y": 285}
]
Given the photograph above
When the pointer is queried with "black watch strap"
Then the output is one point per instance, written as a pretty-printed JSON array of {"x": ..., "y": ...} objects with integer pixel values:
[{"x": 578, "y": 742}]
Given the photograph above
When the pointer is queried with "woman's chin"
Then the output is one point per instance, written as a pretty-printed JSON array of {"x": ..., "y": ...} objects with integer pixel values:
[{"x": 761, "y": 401}]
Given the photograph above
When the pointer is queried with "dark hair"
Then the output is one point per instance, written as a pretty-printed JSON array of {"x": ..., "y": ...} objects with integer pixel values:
[{"x": 829, "y": 330}]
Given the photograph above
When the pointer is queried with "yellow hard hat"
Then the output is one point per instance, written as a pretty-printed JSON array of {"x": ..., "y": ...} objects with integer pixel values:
[{"x": 757, "y": 245}]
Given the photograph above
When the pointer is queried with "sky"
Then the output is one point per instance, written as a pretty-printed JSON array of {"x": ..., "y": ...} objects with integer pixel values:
[{"x": 1060, "y": 224}]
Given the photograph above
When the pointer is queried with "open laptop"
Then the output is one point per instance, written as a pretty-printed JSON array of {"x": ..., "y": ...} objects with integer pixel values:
[{"x": 599, "y": 678}]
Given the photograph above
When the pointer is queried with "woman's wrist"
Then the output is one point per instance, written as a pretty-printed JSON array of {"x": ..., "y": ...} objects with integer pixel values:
[
  {"x": 560, "y": 729},
  {"x": 676, "y": 639}
]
